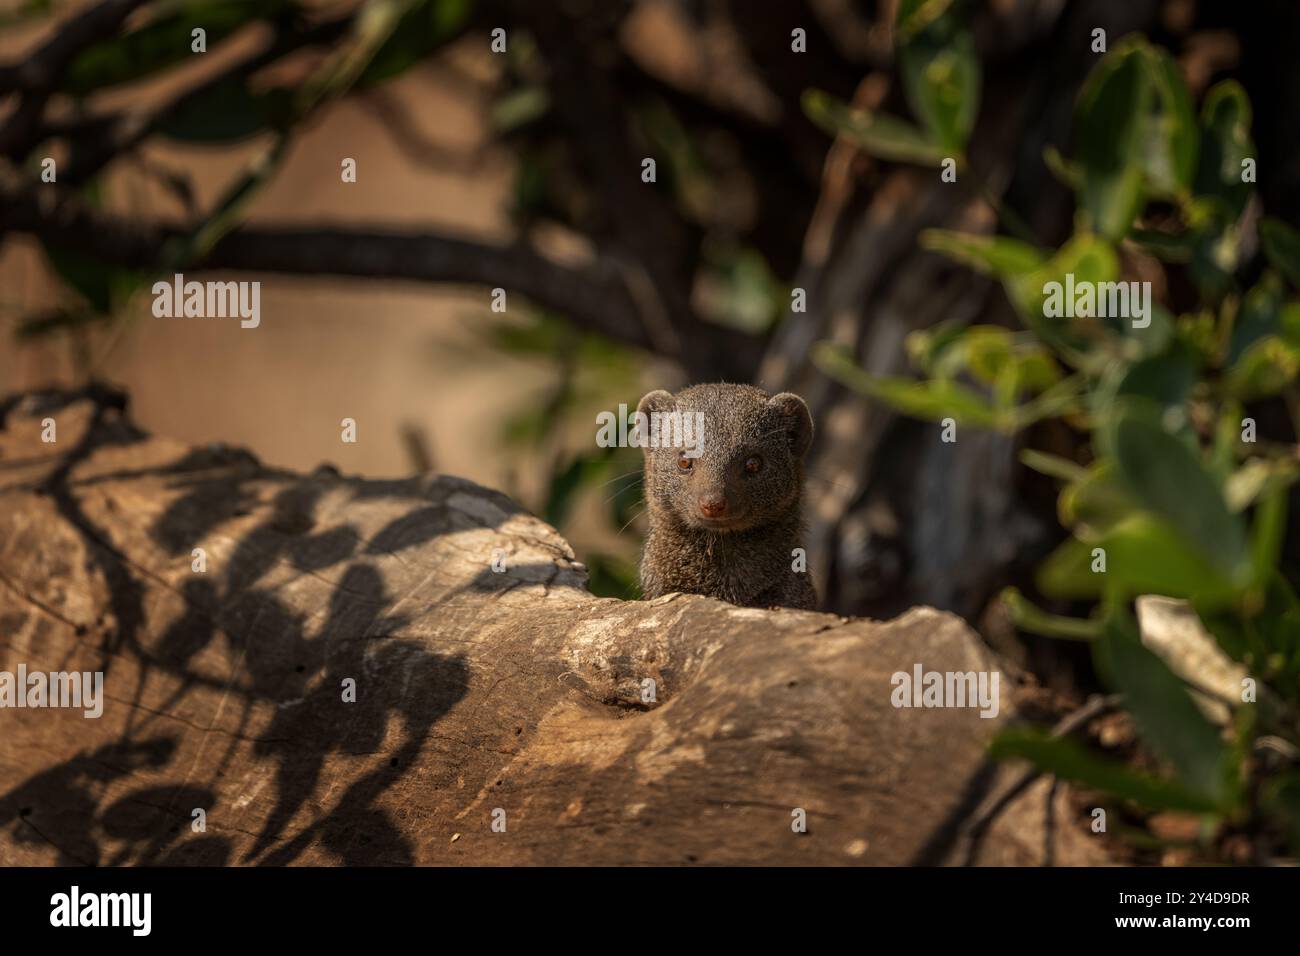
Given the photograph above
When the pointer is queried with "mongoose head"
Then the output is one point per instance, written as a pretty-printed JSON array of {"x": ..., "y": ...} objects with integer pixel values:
[{"x": 746, "y": 468}]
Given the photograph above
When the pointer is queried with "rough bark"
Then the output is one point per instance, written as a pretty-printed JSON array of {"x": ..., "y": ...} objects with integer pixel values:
[{"x": 475, "y": 689}]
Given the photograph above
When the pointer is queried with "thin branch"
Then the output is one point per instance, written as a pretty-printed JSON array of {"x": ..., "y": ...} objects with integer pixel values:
[
  {"x": 415, "y": 146},
  {"x": 594, "y": 296},
  {"x": 102, "y": 138},
  {"x": 37, "y": 74},
  {"x": 41, "y": 70},
  {"x": 1095, "y": 707}
]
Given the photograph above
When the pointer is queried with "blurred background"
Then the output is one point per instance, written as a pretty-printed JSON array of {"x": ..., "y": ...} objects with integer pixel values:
[
  {"x": 521, "y": 170},
  {"x": 857, "y": 201}
]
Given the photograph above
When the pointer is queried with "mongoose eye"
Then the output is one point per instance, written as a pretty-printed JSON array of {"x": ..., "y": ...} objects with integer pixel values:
[
  {"x": 685, "y": 462},
  {"x": 753, "y": 464}
]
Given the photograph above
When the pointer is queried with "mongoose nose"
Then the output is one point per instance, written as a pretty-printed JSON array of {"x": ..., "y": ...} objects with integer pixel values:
[{"x": 713, "y": 507}]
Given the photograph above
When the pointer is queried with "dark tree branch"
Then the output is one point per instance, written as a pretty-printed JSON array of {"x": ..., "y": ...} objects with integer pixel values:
[
  {"x": 39, "y": 72},
  {"x": 597, "y": 296},
  {"x": 637, "y": 292}
]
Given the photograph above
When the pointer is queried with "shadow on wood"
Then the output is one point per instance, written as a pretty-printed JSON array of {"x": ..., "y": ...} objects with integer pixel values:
[{"x": 481, "y": 695}]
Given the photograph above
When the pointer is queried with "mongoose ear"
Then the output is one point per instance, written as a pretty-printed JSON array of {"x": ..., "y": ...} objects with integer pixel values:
[
  {"x": 800, "y": 422},
  {"x": 656, "y": 401}
]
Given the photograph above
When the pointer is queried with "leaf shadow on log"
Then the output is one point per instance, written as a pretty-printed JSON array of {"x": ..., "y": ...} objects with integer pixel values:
[
  {"x": 281, "y": 661},
  {"x": 65, "y": 795}
]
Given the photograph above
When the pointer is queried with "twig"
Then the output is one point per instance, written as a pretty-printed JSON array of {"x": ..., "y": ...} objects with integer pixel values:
[{"x": 1095, "y": 706}]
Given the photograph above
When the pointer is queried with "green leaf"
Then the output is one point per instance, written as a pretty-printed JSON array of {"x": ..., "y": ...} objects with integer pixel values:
[
  {"x": 420, "y": 31},
  {"x": 1267, "y": 535},
  {"x": 1061, "y": 399},
  {"x": 880, "y": 135},
  {"x": 1163, "y": 710},
  {"x": 984, "y": 349},
  {"x": 227, "y": 112},
  {"x": 1257, "y": 479},
  {"x": 1266, "y": 369},
  {"x": 930, "y": 349},
  {"x": 1289, "y": 322},
  {"x": 519, "y": 107},
  {"x": 568, "y": 481},
  {"x": 1028, "y": 617},
  {"x": 1066, "y": 759},
  {"x": 914, "y": 16},
  {"x": 1268, "y": 643},
  {"x": 1225, "y": 143},
  {"x": 1110, "y": 130},
  {"x": 1173, "y": 136},
  {"x": 1260, "y": 315},
  {"x": 738, "y": 289},
  {"x": 1089, "y": 259},
  {"x": 161, "y": 43},
  {"x": 934, "y": 400},
  {"x": 1066, "y": 173},
  {"x": 1168, "y": 479},
  {"x": 103, "y": 287},
  {"x": 1165, "y": 380},
  {"x": 941, "y": 78},
  {"x": 1008, "y": 361},
  {"x": 1097, "y": 500},
  {"x": 1282, "y": 246},
  {"x": 1216, "y": 243},
  {"x": 91, "y": 279},
  {"x": 1165, "y": 246},
  {"x": 941, "y": 398},
  {"x": 1143, "y": 555},
  {"x": 1052, "y": 465},
  {"x": 991, "y": 255}
]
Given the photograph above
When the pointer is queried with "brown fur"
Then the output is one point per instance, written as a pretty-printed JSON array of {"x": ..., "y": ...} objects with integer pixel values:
[{"x": 743, "y": 556}]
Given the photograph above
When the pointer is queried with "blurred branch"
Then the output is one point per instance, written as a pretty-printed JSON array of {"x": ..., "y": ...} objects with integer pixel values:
[
  {"x": 595, "y": 296},
  {"x": 38, "y": 72},
  {"x": 637, "y": 292},
  {"x": 41, "y": 70},
  {"x": 414, "y": 144},
  {"x": 100, "y": 139}
]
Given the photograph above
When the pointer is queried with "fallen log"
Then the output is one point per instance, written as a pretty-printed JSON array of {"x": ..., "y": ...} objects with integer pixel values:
[{"x": 319, "y": 669}]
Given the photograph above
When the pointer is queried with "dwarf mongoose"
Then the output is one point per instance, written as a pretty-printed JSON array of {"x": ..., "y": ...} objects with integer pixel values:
[{"x": 725, "y": 515}]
